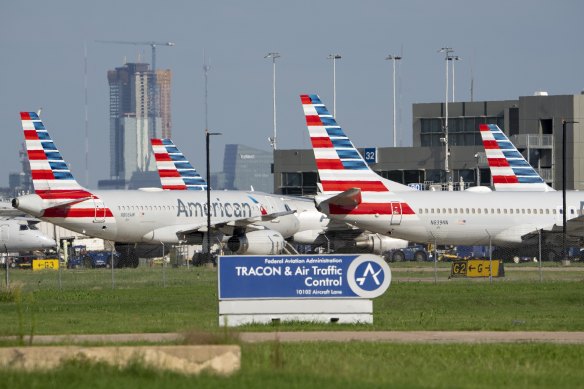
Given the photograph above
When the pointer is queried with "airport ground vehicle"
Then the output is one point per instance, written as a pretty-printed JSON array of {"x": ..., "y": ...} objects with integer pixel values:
[
  {"x": 79, "y": 257},
  {"x": 414, "y": 252}
]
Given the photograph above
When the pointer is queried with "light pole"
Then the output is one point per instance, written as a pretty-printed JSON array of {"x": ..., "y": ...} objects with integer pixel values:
[
  {"x": 453, "y": 58},
  {"x": 207, "y": 136},
  {"x": 334, "y": 57},
  {"x": 394, "y": 58},
  {"x": 446, "y": 51},
  {"x": 564, "y": 123},
  {"x": 273, "y": 56}
]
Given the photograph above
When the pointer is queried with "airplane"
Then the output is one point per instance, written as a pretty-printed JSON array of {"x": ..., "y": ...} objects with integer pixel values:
[
  {"x": 315, "y": 228},
  {"x": 22, "y": 234},
  {"x": 353, "y": 193},
  {"x": 509, "y": 169},
  {"x": 151, "y": 216}
]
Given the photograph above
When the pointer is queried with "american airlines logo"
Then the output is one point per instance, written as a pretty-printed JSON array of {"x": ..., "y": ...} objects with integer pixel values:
[{"x": 218, "y": 209}]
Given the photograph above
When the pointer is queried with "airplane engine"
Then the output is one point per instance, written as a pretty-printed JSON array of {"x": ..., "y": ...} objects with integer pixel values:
[
  {"x": 257, "y": 243},
  {"x": 378, "y": 244}
]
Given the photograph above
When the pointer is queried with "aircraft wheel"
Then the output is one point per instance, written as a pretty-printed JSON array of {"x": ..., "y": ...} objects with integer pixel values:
[{"x": 398, "y": 256}]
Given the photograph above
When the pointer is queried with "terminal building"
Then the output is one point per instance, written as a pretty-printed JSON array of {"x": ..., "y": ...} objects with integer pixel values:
[{"x": 533, "y": 123}]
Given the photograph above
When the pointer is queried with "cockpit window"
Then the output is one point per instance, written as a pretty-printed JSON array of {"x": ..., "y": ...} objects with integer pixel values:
[{"x": 23, "y": 227}]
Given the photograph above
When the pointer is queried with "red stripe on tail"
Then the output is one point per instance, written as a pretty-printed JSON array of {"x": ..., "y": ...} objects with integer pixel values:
[
  {"x": 498, "y": 162},
  {"x": 321, "y": 142},
  {"x": 174, "y": 187},
  {"x": 366, "y": 186},
  {"x": 31, "y": 135},
  {"x": 329, "y": 164},
  {"x": 162, "y": 157},
  {"x": 505, "y": 180},
  {"x": 305, "y": 99},
  {"x": 168, "y": 173},
  {"x": 36, "y": 155},
  {"x": 42, "y": 175},
  {"x": 490, "y": 144},
  {"x": 313, "y": 120}
]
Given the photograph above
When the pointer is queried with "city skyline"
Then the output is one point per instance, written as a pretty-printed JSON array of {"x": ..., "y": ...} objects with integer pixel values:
[{"x": 506, "y": 49}]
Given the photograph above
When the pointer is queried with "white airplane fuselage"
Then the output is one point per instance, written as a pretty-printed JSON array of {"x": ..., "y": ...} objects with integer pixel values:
[
  {"x": 466, "y": 218},
  {"x": 157, "y": 216},
  {"x": 17, "y": 235}
]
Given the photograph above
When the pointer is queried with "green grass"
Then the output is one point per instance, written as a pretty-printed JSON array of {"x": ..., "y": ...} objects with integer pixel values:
[
  {"x": 337, "y": 365},
  {"x": 140, "y": 302},
  {"x": 185, "y": 300}
]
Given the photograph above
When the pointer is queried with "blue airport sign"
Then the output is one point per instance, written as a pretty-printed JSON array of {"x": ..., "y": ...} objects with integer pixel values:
[
  {"x": 302, "y": 276},
  {"x": 370, "y": 155}
]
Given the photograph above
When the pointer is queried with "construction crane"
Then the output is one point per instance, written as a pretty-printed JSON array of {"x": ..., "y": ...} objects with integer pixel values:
[{"x": 152, "y": 45}]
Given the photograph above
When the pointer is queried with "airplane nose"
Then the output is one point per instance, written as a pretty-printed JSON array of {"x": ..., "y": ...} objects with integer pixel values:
[{"x": 48, "y": 242}]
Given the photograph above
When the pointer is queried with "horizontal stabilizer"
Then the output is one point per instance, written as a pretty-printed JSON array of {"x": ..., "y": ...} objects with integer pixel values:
[
  {"x": 350, "y": 197},
  {"x": 67, "y": 203}
]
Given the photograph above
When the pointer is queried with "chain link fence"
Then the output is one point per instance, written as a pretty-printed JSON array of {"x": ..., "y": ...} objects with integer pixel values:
[{"x": 434, "y": 262}]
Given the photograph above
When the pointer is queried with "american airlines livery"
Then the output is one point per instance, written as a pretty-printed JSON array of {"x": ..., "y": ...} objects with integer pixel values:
[
  {"x": 145, "y": 216},
  {"x": 175, "y": 171},
  {"x": 509, "y": 169},
  {"x": 314, "y": 227},
  {"x": 353, "y": 193}
]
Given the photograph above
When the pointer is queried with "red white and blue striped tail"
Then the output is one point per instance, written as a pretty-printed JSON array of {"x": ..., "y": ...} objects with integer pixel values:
[
  {"x": 509, "y": 169},
  {"x": 51, "y": 177},
  {"x": 340, "y": 166},
  {"x": 176, "y": 172}
]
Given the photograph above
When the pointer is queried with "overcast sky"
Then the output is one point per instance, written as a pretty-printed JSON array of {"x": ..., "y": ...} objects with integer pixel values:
[{"x": 511, "y": 48}]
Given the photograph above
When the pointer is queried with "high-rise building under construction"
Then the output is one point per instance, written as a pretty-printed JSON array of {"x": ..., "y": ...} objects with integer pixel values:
[{"x": 139, "y": 110}]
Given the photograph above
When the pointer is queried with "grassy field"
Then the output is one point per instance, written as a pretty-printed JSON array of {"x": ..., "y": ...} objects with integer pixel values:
[
  {"x": 175, "y": 300},
  {"x": 186, "y": 299},
  {"x": 354, "y": 364}
]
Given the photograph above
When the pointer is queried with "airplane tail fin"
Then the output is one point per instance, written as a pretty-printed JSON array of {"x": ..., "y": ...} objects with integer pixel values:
[
  {"x": 51, "y": 177},
  {"x": 176, "y": 172},
  {"x": 509, "y": 169},
  {"x": 339, "y": 164}
]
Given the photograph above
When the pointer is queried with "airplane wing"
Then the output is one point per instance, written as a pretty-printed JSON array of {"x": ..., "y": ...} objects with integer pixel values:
[
  {"x": 553, "y": 233},
  {"x": 182, "y": 231}
]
